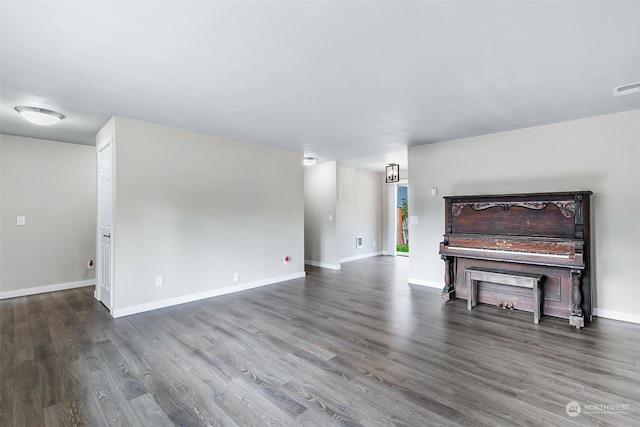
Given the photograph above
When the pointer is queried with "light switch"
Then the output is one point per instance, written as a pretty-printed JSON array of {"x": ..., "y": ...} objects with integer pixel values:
[
  {"x": 434, "y": 191},
  {"x": 21, "y": 220},
  {"x": 414, "y": 220},
  {"x": 330, "y": 217}
]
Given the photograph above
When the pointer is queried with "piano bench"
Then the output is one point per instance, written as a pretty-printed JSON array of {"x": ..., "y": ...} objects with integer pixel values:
[{"x": 503, "y": 277}]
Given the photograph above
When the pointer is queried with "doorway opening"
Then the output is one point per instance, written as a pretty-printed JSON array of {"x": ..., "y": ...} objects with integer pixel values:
[{"x": 402, "y": 229}]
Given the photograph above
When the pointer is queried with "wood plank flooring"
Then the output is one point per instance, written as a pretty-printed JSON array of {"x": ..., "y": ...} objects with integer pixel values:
[{"x": 354, "y": 347}]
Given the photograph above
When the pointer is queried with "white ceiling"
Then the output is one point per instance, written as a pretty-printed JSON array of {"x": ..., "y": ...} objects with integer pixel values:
[{"x": 357, "y": 82}]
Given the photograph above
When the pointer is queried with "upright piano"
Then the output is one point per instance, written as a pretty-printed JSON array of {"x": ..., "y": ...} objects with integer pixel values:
[{"x": 541, "y": 233}]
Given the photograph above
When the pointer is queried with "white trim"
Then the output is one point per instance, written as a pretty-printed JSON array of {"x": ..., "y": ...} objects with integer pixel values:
[
  {"x": 357, "y": 257},
  {"x": 322, "y": 264},
  {"x": 126, "y": 311},
  {"x": 45, "y": 289},
  {"x": 420, "y": 282},
  {"x": 616, "y": 315}
]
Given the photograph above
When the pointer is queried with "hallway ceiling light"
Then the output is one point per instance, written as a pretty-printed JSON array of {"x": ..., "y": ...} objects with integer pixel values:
[
  {"x": 309, "y": 161},
  {"x": 392, "y": 173},
  {"x": 40, "y": 116}
]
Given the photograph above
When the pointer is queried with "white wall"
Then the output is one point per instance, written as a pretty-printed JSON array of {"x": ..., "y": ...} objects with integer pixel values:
[
  {"x": 600, "y": 154},
  {"x": 321, "y": 201},
  {"x": 360, "y": 202},
  {"x": 52, "y": 184},
  {"x": 389, "y": 213},
  {"x": 196, "y": 209}
]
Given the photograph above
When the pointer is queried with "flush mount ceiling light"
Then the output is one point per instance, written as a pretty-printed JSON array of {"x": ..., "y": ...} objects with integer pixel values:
[
  {"x": 626, "y": 89},
  {"x": 40, "y": 116},
  {"x": 309, "y": 161},
  {"x": 392, "y": 173}
]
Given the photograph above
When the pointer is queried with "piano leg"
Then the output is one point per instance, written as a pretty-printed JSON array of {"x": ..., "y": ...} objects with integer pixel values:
[
  {"x": 576, "y": 318},
  {"x": 448, "y": 292}
]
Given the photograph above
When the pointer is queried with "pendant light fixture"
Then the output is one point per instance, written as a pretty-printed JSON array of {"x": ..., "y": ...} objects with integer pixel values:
[{"x": 392, "y": 173}]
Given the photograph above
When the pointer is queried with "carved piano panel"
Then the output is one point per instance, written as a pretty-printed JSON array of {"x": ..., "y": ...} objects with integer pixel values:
[
  {"x": 515, "y": 218},
  {"x": 544, "y": 233}
]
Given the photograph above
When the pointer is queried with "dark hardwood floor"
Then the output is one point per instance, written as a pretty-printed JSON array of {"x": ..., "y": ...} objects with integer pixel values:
[{"x": 351, "y": 347}]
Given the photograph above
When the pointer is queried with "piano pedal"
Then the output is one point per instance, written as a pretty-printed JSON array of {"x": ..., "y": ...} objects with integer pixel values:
[{"x": 505, "y": 304}]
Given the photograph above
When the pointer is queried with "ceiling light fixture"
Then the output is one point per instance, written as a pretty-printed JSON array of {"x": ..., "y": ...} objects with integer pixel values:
[
  {"x": 626, "y": 89},
  {"x": 40, "y": 116},
  {"x": 309, "y": 161},
  {"x": 392, "y": 173}
]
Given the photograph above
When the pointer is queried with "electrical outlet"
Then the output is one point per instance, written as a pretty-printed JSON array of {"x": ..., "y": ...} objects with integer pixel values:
[
  {"x": 159, "y": 281},
  {"x": 90, "y": 264},
  {"x": 236, "y": 277}
]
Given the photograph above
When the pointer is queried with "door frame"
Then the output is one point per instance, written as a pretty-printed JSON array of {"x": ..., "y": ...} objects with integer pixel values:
[
  {"x": 98, "y": 291},
  {"x": 401, "y": 183}
]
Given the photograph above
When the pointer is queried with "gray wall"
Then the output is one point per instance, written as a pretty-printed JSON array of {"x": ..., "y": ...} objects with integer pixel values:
[
  {"x": 196, "y": 209},
  {"x": 52, "y": 184},
  {"x": 360, "y": 202},
  {"x": 320, "y": 201},
  {"x": 354, "y": 199},
  {"x": 600, "y": 154}
]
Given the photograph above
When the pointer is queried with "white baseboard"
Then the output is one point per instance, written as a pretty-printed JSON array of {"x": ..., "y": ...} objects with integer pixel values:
[
  {"x": 357, "y": 257},
  {"x": 134, "y": 309},
  {"x": 46, "y": 288},
  {"x": 427, "y": 283},
  {"x": 616, "y": 315},
  {"x": 322, "y": 264}
]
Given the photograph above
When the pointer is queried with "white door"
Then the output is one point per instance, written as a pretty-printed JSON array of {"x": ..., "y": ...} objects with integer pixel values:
[{"x": 104, "y": 292}]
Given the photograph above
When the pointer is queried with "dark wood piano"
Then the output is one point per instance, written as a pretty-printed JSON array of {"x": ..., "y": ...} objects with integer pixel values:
[{"x": 541, "y": 233}]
